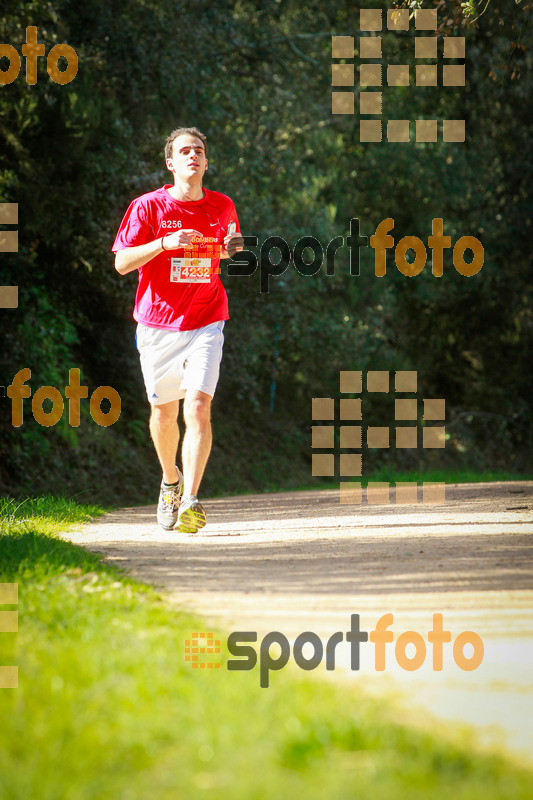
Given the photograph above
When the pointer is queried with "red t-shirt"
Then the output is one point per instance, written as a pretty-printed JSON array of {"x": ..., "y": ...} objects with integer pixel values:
[{"x": 163, "y": 300}]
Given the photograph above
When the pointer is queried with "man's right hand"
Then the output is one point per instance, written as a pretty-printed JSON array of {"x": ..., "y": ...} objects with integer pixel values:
[{"x": 180, "y": 238}]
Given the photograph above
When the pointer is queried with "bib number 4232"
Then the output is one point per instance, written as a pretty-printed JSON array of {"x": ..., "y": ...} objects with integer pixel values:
[{"x": 190, "y": 270}]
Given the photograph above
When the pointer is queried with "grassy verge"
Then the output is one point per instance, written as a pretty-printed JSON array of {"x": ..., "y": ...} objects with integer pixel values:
[
  {"x": 107, "y": 708},
  {"x": 388, "y": 474},
  {"x": 392, "y": 476}
]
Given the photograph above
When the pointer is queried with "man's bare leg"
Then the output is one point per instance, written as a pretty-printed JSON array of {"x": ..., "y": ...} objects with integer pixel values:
[
  {"x": 165, "y": 435},
  {"x": 197, "y": 439}
]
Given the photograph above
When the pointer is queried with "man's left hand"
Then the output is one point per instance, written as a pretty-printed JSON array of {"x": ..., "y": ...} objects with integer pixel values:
[{"x": 233, "y": 242}]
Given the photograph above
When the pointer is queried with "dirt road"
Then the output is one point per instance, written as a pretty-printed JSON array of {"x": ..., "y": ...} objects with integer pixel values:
[{"x": 297, "y": 562}]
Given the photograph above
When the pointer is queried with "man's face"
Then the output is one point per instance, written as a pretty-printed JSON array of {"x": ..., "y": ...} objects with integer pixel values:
[{"x": 188, "y": 162}]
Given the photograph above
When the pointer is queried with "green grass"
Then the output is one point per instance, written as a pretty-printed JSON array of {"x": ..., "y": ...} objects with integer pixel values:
[
  {"x": 446, "y": 475},
  {"x": 107, "y": 709},
  {"x": 392, "y": 476}
]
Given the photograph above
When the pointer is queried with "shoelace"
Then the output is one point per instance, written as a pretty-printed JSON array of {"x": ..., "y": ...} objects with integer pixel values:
[{"x": 170, "y": 497}]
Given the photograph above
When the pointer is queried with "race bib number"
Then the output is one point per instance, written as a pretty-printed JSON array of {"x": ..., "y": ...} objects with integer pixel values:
[{"x": 190, "y": 270}]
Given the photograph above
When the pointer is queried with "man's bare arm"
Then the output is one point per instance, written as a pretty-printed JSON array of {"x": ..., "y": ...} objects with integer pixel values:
[{"x": 130, "y": 258}]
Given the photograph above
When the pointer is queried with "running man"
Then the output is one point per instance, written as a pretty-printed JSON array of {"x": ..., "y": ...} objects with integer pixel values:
[{"x": 175, "y": 237}]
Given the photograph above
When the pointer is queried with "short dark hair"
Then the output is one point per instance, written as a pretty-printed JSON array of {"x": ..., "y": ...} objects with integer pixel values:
[{"x": 179, "y": 132}]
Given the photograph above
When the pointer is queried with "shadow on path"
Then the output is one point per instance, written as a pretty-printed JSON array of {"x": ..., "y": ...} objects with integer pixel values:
[{"x": 306, "y": 542}]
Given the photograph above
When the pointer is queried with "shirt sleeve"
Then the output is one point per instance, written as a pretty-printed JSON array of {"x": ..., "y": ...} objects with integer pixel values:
[{"x": 135, "y": 228}]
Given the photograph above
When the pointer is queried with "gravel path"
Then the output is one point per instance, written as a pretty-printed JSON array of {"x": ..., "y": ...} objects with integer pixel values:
[{"x": 296, "y": 562}]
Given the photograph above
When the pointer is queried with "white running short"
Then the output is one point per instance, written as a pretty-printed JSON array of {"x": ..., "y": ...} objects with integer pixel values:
[{"x": 174, "y": 361}]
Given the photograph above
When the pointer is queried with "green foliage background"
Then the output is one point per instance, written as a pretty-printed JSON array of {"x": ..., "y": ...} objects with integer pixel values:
[{"x": 255, "y": 77}]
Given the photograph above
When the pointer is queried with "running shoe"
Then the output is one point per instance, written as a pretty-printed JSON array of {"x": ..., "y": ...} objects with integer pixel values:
[
  {"x": 191, "y": 515},
  {"x": 169, "y": 503}
]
